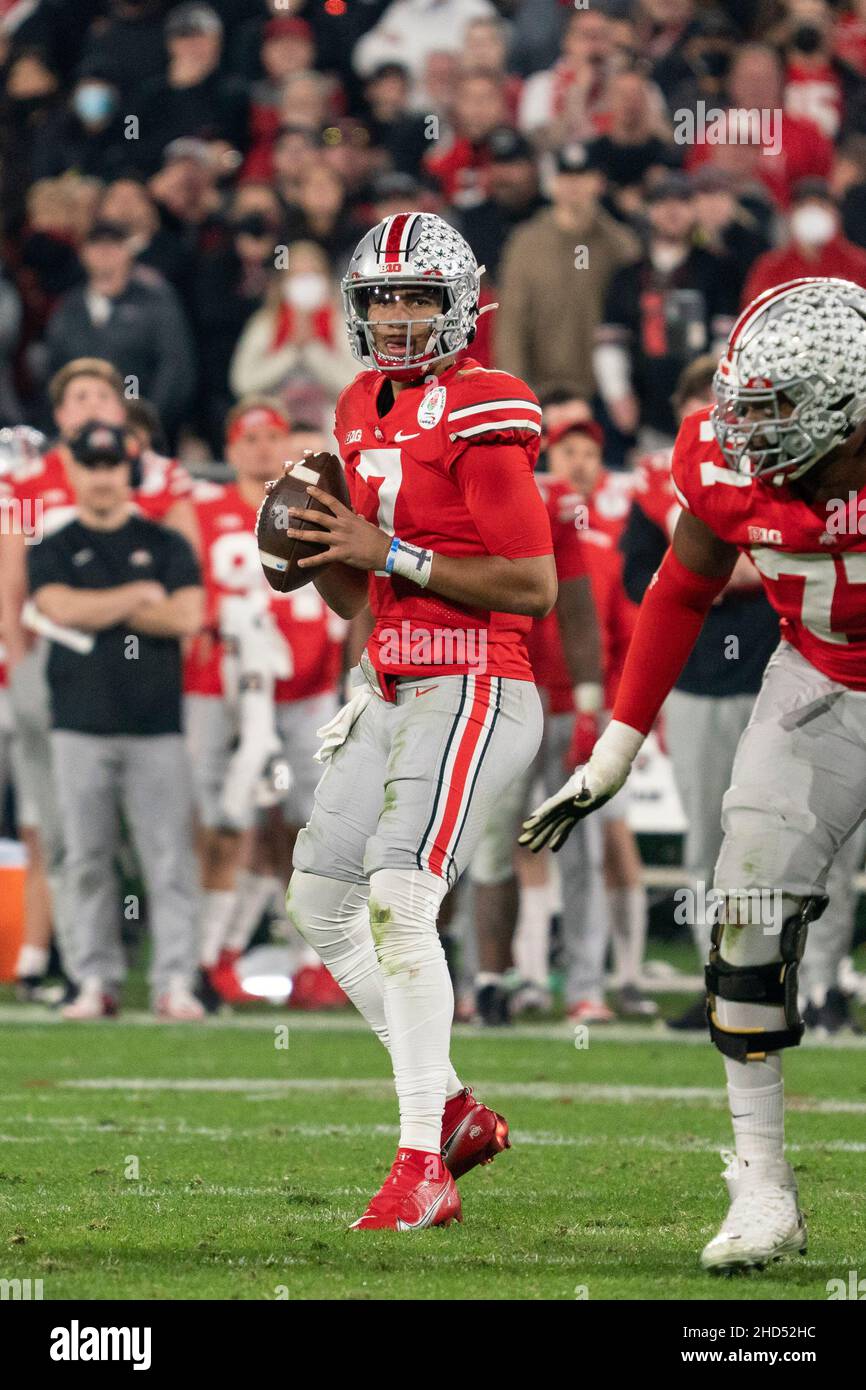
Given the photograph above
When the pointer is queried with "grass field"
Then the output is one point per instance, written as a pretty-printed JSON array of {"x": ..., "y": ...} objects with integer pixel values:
[{"x": 144, "y": 1161}]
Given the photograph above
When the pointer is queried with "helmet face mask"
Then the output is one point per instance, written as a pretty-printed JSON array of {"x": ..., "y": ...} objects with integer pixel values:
[
  {"x": 760, "y": 429},
  {"x": 410, "y": 252},
  {"x": 791, "y": 386},
  {"x": 368, "y": 297}
]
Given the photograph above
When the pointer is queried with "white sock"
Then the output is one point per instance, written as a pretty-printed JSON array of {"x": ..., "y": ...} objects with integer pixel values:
[
  {"x": 333, "y": 918},
  {"x": 532, "y": 939},
  {"x": 217, "y": 909},
  {"x": 32, "y": 962},
  {"x": 626, "y": 909},
  {"x": 487, "y": 977},
  {"x": 757, "y": 1098},
  {"x": 254, "y": 893},
  {"x": 419, "y": 999},
  {"x": 755, "y": 1089}
]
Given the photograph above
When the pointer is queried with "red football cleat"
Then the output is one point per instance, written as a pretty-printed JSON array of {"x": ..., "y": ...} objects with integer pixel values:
[
  {"x": 223, "y": 977},
  {"x": 417, "y": 1193},
  {"x": 314, "y": 987},
  {"x": 472, "y": 1133}
]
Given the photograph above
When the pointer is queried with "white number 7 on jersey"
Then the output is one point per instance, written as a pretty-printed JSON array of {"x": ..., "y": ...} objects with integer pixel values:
[{"x": 382, "y": 470}]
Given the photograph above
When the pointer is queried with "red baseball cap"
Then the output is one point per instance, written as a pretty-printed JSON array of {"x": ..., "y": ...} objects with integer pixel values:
[
  {"x": 591, "y": 428},
  {"x": 289, "y": 27},
  {"x": 254, "y": 417}
]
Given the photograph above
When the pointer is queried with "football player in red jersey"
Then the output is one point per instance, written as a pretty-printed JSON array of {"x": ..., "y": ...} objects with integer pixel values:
[
  {"x": 564, "y": 651},
  {"x": 450, "y": 543},
  {"x": 40, "y": 494},
  {"x": 261, "y": 717},
  {"x": 777, "y": 468},
  {"x": 600, "y": 499}
]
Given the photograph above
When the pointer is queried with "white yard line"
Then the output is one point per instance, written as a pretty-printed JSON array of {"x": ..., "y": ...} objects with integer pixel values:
[
  {"x": 180, "y": 1132},
  {"x": 266, "y": 1088},
  {"x": 560, "y": 1032}
]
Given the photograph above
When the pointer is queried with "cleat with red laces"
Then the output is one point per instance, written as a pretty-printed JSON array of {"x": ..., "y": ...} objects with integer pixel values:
[
  {"x": 472, "y": 1133},
  {"x": 417, "y": 1193}
]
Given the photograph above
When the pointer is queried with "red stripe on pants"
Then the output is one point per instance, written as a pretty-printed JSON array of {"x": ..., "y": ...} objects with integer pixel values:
[{"x": 457, "y": 788}]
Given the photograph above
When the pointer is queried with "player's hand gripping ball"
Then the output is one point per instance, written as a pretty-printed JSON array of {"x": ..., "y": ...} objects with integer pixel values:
[{"x": 277, "y": 530}]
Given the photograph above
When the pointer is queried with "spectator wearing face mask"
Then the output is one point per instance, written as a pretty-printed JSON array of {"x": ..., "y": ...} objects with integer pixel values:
[
  {"x": 131, "y": 40},
  {"x": 193, "y": 99},
  {"x": 295, "y": 347},
  {"x": 818, "y": 245},
  {"x": 86, "y": 135}
]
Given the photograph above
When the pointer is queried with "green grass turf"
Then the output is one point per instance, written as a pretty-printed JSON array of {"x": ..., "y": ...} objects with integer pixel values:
[{"x": 246, "y": 1193}]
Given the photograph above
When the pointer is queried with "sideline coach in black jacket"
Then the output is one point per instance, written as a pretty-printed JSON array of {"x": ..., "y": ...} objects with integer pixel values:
[{"x": 123, "y": 592}]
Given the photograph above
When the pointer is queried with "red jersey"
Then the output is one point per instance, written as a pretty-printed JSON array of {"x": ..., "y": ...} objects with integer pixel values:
[
  {"x": 654, "y": 490},
  {"x": 607, "y": 513},
  {"x": 795, "y": 149},
  {"x": 230, "y": 565},
  {"x": 812, "y": 562},
  {"x": 449, "y": 468},
  {"x": 43, "y": 489},
  {"x": 839, "y": 258},
  {"x": 544, "y": 643}
]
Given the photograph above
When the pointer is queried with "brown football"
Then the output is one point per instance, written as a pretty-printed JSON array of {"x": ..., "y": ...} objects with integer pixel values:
[{"x": 279, "y": 551}]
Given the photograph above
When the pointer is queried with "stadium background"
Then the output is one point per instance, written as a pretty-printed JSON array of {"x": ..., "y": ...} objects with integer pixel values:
[{"x": 226, "y": 150}]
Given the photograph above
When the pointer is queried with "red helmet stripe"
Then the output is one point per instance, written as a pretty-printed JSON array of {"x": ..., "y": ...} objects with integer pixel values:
[{"x": 395, "y": 247}]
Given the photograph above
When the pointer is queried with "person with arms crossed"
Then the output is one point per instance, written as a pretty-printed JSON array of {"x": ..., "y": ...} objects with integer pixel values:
[
  {"x": 120, "y": 592},
  {"x": 40, "y": 489}
]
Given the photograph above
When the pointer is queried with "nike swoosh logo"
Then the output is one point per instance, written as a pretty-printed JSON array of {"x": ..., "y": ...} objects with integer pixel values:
[
  {"x": 400, "y": 436},
  {"x": 425, "y": 692},
  {"x": 426, "y": 1219}
]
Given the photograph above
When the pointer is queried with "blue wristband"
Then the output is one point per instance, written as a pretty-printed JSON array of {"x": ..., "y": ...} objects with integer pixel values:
[{"x": 392, "y": 555}]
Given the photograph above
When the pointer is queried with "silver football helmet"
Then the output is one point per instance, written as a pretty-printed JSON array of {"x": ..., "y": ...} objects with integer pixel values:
[
  {"x": 405, "y": 251},
  {"x": 792, "y": 383}
]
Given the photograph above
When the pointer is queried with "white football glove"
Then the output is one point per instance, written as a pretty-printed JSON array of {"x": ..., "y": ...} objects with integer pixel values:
[
  {"x": 588, "y": 788},
  {"x": 337, "y": 730}
]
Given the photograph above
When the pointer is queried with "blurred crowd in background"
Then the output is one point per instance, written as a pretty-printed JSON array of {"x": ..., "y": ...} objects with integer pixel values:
[
  {"x": 181, "y": 189},
  {"x": 181, "y": 186}
]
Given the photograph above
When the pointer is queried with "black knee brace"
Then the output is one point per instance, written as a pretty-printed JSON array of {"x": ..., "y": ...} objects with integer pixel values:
[{"x": 775, "y": 983}]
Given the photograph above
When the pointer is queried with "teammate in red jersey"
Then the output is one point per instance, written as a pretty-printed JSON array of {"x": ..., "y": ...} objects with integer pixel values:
[
  {"x": 564, "y": 651},
  {"x": 40, "y": 500},
  {"x": 599, "y": 499},
  {"x": 288, "y": 647},
  {"x": 777, "y": 468},
  {"x": 449, "y": 542}
]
